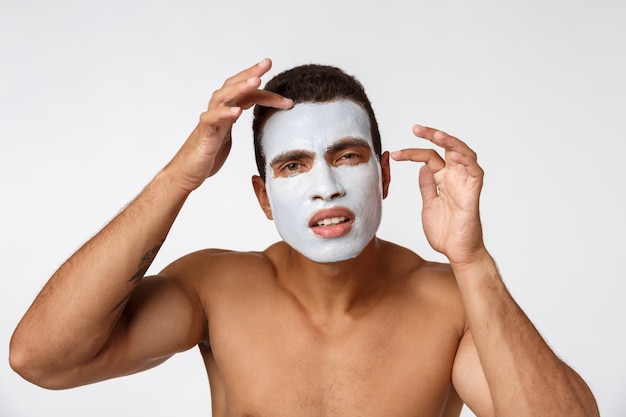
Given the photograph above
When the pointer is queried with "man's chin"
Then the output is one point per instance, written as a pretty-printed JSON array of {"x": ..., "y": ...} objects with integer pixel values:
[{"x": 337, "y": 251}]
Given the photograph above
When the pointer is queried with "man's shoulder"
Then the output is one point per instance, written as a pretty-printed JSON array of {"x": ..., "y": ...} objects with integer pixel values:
[
  {"x": 406, "y": 258},
  {"x": 436, "y": 286},
  {"x": 426, "y": 278},
  {"x": 426, "y": 288},
  {"x": 219, "y": 266}
]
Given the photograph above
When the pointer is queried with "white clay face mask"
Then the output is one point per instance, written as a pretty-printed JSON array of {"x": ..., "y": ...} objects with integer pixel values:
[{"x": 323, "y": 179}]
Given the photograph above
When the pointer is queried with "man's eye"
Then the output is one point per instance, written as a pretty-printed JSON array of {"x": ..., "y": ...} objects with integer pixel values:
[
  {"x": 292, "y": 168},
  {"x": 350, "y": 159}
]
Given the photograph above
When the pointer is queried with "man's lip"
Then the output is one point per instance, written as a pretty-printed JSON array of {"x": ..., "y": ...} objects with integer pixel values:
[{"x": 330, "y": 213}]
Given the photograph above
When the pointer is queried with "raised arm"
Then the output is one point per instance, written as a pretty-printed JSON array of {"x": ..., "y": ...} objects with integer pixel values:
[
  {"x": 503, "y": 366},
  {"x": 97, "y": 317}
]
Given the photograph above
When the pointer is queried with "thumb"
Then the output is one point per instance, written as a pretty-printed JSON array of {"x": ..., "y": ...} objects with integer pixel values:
[{"x": 428, "y": 186}]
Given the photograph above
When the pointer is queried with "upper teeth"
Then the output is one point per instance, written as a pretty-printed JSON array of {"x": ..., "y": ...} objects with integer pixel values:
[{"x": 333, "y": 220}]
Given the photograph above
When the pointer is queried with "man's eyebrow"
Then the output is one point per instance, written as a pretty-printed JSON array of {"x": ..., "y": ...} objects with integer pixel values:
[
  {"x": 347, "y": 143},
  {"x": 290, "y": 156}
]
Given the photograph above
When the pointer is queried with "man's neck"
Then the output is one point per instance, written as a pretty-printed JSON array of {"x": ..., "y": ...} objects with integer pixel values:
[{"x": 338, "y": 290}]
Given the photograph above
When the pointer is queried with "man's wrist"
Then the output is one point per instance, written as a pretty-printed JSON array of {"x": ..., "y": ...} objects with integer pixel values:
[
  {"x": 477, "y": 267},
  {"x": 172, "y": 183}
]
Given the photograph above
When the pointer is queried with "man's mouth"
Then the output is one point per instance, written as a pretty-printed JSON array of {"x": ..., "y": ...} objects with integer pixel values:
[{"x": 331, "y": 221}]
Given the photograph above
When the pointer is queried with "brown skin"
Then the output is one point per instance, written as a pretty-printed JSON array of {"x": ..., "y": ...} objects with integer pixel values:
[
  {"x": 365, "y": 351},
  {"x": 386, "y": 333}
]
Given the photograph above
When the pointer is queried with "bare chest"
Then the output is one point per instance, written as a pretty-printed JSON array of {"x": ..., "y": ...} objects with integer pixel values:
[{"x": 275, "y": 363}]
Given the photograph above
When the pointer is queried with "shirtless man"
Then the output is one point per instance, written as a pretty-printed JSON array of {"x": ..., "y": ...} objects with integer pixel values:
[{"x": 331, "y": 321}]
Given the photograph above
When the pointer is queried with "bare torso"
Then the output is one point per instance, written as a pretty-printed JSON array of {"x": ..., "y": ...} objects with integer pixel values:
[{"x": 269, "y": 354}]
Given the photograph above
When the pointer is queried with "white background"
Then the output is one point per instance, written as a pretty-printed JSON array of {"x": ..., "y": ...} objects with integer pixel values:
[{"x": 96, "y": 96}]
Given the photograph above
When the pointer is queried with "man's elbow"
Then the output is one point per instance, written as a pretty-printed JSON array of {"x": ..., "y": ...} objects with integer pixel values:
[{"x": 30, "y": 365}]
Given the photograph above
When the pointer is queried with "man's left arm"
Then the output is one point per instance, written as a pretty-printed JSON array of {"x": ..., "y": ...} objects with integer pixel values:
[
  {"x": 524, "y": 376},
  {"x": 503, "y": 366}
]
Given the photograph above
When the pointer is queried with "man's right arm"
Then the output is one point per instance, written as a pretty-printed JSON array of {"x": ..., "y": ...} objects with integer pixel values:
[
  {"x": 97, "y": 317},
  {"x": 78, "y": 320}
]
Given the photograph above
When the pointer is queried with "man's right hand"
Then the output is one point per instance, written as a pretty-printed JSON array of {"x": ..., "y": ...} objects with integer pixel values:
[{"x": 206, "y": 149}]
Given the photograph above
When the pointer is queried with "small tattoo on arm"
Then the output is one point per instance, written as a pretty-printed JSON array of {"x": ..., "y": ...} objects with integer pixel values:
[
  {"x": 143, "y": 266},
  {"x": 145, "y": 262}
]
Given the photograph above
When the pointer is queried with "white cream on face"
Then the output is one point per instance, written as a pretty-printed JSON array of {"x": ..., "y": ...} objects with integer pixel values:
[{"x": 322, "y": 188}]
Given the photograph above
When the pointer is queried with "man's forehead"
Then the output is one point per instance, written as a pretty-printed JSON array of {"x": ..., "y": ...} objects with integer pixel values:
[{"x": 315, "y": 126}]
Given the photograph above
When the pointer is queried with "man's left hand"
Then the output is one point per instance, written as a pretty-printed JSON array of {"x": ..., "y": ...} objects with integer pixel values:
[{"x": 450, "y": 189}]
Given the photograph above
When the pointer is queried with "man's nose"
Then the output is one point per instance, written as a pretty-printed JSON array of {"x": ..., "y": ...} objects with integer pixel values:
[{"x": 325, "y": 184}]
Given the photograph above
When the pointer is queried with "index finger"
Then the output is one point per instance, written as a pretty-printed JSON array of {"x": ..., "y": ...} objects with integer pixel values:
[
  {"x": 446, "y": 141},
  {"x": 257, "y": 70},
  {"x": 242, "y": 90}
]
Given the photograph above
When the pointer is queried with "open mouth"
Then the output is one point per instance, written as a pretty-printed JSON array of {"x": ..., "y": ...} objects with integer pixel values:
[{"x": 332, "y": 221}]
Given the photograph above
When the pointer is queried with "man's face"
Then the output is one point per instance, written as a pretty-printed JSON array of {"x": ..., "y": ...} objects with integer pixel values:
[{"x": 323, "y": 179}]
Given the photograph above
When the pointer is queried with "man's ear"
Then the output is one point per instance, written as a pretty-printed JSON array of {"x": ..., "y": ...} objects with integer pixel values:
[
  {"x": 385, "y": 170},
  {"x": 261, "y": 194}
]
